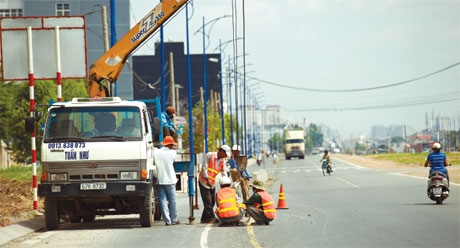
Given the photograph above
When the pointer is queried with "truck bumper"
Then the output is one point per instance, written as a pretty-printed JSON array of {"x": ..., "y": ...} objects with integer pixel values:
[
  {"x": 73, "y": 189},
  {"x": 295, "y": 154}
]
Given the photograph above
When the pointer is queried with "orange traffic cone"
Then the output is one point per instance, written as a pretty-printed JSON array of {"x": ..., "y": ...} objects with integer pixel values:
[{"x": 282, "y": 199}]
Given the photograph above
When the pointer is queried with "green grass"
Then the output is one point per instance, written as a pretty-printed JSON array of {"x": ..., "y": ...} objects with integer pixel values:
[
  {"x": 416, "y": 158},
  {"x": 21, "y": 173}
]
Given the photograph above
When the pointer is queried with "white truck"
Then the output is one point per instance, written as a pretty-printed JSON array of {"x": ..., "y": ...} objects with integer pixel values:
[
  {"x": 97, "y": 159},
  {"x": 294, "y": 144}
]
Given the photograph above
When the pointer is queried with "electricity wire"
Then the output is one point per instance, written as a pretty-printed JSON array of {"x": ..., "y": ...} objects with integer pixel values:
[{"x": 288, "y": 85}]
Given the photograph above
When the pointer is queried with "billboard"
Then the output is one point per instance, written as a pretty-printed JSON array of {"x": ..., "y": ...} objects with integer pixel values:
[{"x": 69, "y": 30}]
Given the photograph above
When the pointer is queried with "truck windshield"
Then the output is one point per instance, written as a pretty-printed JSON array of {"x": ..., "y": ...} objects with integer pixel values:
[
  {"x": 93, "y": 124},
  {"x": 292, "y": 141}
]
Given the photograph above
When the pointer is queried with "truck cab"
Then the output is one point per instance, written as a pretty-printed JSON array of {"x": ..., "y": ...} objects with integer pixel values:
[
  {"x": 97, "y": 159},
  {"x": 294, "y": 144}
]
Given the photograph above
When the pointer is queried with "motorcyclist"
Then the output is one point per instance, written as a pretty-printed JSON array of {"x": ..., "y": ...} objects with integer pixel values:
[
  {"x": 437, "y": 160},
  {"x": 328, "y": 159}
]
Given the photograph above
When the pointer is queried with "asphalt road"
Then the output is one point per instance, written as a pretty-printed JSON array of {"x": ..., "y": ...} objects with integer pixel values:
[{"x": 354, "y": 207}]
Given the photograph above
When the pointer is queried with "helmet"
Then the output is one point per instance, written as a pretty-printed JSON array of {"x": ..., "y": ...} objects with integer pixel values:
[
  {"x": 225, "y": 180},
  {"x": 170, "y": 110},
  {"x": 169, "y": 141},
  {"x": 227, "y": 150},
  {"x": 236, "y": 148},
  {"x": 436, "y": 146}
]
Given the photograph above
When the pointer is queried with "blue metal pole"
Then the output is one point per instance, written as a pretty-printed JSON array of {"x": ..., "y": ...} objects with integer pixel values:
[
  {"x": 162, "y": 68},
  {"x": 189, "y": 82},
  {"x": 191, "y": 169},
  {"x": 230, "y": 101},
  {"x": 205, "y": 130},
  {"x": 113, "y": 35}
]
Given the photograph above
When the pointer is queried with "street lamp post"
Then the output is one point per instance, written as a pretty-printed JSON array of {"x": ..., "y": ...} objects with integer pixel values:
[
  {"x": 221, "y": 94},
  {"x": 236, "y": 76},
  {"x": 205, "y": 116},
  {"x": 205, "y": 128},
  {"x": 249, "y": 132},
  {"x": 244, "y": 116}
]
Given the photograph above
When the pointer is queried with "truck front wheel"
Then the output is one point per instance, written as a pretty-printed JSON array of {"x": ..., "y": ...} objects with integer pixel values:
[
  {"x": 51, "y": 214},
  {"x": 147, "y": 209}
]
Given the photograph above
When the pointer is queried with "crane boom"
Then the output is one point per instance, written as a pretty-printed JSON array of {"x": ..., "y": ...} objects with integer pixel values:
[{"x": 109, "y": 66}]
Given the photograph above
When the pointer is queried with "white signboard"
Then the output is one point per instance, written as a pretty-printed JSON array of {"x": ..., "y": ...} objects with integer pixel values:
[
  {"x": 180, "y": 120},
  {"x": 72, "y": 44}
]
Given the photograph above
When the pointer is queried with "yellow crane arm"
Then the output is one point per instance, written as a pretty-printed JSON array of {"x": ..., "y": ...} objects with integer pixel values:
[{"x": 110, "y": 64}]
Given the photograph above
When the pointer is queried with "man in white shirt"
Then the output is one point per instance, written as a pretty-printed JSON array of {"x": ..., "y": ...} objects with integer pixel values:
[{"x": 166, "y": 181}]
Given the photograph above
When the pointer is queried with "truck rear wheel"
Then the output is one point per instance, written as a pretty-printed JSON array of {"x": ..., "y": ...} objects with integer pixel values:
[
  {"x": 147, "y": 209},
  {"x": 51, "y": 214}
]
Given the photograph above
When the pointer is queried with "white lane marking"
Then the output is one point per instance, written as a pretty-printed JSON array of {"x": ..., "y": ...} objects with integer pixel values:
[
  {"x": 346, "y": 162},
  {"x": 419, "y": 177},
  {"x": 347, "y": 182},
  {"x": 204, "y": 236}
]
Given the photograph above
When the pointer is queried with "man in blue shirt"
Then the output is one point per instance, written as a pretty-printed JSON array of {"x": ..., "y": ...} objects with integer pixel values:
[
  {"x": 236, "y": 151},
  {"x": 437, "y": 160},
  {"x": 167, "y": 117}
]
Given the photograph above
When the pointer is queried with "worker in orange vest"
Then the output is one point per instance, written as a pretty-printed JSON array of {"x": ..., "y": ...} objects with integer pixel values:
[
  {"x": 214, "y": 163},
  {"x": 227, "y": 209},
  {"x": 260, "y": 206}
]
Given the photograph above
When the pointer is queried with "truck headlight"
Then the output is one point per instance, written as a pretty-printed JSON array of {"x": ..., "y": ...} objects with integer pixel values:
[
  {"x": 126, "y": 175},
  {"x": 58, "y": 177}
]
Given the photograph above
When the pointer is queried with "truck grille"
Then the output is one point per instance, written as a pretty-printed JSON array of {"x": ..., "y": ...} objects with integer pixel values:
[{"x": 100, "y": 171}]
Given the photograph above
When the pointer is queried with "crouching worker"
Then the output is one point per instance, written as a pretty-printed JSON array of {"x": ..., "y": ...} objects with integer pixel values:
[
  {"x": 260, "y": 206},
  {"x": 227, "y": 209}
]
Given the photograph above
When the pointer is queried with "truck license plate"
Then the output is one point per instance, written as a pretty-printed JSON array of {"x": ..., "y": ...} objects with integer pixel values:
[{"x": 93, "y": 186}]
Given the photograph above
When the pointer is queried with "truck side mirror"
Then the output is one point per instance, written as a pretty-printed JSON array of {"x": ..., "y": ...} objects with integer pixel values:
[
  {"x": 38, "y": 115},
  {"x": 29, "y": 124}
]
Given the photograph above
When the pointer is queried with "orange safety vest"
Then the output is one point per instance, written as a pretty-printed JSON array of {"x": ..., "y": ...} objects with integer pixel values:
[
  {"x": 268, "y": 205},
  {"x": 226, "y": 203},
  {"x": 213, "y": 170}
]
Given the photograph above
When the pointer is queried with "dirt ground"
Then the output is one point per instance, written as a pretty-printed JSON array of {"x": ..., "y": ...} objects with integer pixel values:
[
  {"x": 16, "y": 197},
  {"x": 16, "y": 202}
]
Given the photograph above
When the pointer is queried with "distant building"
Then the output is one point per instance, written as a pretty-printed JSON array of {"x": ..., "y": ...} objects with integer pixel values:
[{"x": 383, "y": 132}]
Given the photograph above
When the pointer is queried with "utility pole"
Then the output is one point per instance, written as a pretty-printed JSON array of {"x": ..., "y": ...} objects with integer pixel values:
[
  {"x": 171, "y": 75},
  {"x": 204, "y": 121}
]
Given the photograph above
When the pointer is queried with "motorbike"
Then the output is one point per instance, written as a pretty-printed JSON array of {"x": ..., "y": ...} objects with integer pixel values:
[
  {"x": 326, "y": 168},
  {"x": 259, "y": 159},
  {"x": 438, "y": 187}
]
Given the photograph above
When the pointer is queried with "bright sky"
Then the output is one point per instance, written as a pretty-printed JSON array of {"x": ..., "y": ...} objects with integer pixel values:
[{"x": 315, "y": 58}]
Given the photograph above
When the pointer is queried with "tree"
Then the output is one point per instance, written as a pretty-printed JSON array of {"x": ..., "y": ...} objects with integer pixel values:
[
  {"x": 6, "y": 105},
  {"x": 314, "y": 137},
  {"x": 214, "y": 128},
  {"x": 17, "y": 109},
  {"x": 359, "y": 147},
  {"x": 397, "y": 139},
  {"x": 275, "y": 142}
]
